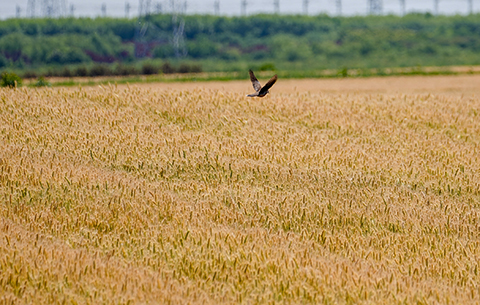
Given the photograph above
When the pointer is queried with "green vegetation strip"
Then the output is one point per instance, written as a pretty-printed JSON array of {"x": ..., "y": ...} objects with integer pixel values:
[{"x": 228, "y": 76}]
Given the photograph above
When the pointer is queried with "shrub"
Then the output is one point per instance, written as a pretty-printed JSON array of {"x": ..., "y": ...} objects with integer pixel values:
[
  {"x": 81, "y": 71},
  {"x": 125, "y": 70},
  {"x": 149, "y": 68},
  {"x": 167, "y": 68},
  {"x": 42, "y": 82},
  {"x": 196, "y": 68},
  {"x": 30, "y": 74},
  {"x": 100, "y": 70},
  {"x": 187, "y": 68},
  {"x": 267, "y": 67},
  {"x": 51, "y": 73},
  {"x": 10, "y": 79},
  {"x": 343, "y": 72},
  {"x": 66, "y": 72}
]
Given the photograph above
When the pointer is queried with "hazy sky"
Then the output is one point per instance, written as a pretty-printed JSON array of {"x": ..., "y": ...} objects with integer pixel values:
[{"x": 93, "y": 8}]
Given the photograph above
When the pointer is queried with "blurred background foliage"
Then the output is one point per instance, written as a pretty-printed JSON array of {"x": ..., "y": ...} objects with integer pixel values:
[{"x": 111, "y": 46}]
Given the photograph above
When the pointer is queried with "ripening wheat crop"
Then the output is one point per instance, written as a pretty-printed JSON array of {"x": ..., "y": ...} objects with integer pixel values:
[{"x": 148, "y": 195}]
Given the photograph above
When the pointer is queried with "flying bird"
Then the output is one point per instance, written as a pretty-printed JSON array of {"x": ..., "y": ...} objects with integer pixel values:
[{"x": 261, "y": 91}]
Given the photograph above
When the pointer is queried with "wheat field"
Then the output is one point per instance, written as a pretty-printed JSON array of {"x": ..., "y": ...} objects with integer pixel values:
[{"x": 361, "y": 191}]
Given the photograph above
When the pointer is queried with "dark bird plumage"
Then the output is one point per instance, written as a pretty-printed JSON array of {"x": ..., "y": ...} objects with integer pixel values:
[{"x": 259, "y": 90}]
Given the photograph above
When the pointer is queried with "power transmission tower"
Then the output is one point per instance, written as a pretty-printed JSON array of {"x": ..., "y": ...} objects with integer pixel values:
[
  {"x": 338, "y": 4},
  {"x": 127, "y": 10},
  {"x": 244, "y": 7},
  {"x": 144, "y": 7},
  {"x": 72, "y": 10},
  {"x": 305, "y": 7},
  {"x": 178, "y": 10},
  {"x": 53, "y": 8},
  {"x": 403, "y": 7},
  {"x": 216, "y": 7},
  {"x": 375, "y": 7},
  {"x": 48, "y": 9},
  {"x": 148, "y": 7},
  {"x": 18, "y": 11},
  {"x": 470, "y": 7},
  {"x": 31, "y": 8},
  {"x": 158, "y": 8},
  {"x": 435, "y": 4},
  {"x": 104, "y": 10},
  {"x": 146, "y": 42},
  {"x": 276, "y": 6}
]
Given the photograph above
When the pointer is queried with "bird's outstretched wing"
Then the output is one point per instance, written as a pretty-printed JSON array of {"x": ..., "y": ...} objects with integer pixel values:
[
  {"x": 255, "y": 82},
  {"x": 268, "y": 85}
]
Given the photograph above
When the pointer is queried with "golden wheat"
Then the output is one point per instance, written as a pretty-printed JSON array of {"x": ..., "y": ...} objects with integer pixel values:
[{"x": 154, "y": 195}]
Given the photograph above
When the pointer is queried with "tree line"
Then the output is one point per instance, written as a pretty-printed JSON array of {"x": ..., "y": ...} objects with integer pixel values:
[{"x": 73, "y": 46}]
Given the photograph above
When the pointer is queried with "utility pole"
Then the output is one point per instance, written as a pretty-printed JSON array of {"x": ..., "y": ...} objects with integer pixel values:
[
  {"x": 403, "y": 7},
  {"x": 276, "y": 6},
  {"x": 216, "y": 7},
  {"x": 375, "y": 7},
  {"x": 338, "y": 4},
  {"x": 244, "y": 7},
  {"x": 305, "y": 7}
]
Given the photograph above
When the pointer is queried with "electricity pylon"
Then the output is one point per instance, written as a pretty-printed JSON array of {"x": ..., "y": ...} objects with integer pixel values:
[{"x": 375, "y": 7}]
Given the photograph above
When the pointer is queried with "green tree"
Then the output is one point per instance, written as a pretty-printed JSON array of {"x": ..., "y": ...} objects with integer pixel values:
[{"x": 10, "y": 79}]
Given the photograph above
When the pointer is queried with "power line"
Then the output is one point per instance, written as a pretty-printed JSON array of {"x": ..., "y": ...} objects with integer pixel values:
[{"x": 59, "y": 8}]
